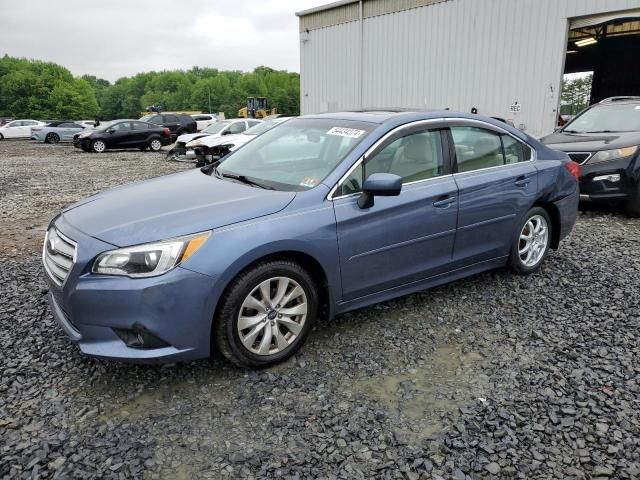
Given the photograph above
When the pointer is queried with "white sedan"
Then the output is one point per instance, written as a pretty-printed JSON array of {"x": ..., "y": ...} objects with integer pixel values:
[{"x": 19, "y": 128}]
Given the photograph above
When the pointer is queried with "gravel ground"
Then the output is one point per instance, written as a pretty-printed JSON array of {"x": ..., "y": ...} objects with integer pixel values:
[{"x": 495, "y": 376}]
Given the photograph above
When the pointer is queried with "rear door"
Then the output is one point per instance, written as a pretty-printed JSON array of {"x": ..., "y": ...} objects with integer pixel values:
[
  {"x": 405, "y": 238},
  {"x": 497, "y": 183},
  {"x": 171, "y": 122},
  {"x": 68, "y": 130}
]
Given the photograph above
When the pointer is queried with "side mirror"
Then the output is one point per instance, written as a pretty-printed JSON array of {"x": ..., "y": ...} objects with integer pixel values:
[
  {"x": 111, "y": 130},
  {"x": 379, "y": 185}
]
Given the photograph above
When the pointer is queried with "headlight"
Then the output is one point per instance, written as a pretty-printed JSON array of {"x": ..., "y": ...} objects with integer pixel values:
[
  {"x": 194, "y": 143},
  {"x": 616, "y": 154},
  {"x": 150, "y": 259}
]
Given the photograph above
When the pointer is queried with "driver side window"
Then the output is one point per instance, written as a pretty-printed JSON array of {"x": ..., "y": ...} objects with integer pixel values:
[{"x": 414, "y": 157}]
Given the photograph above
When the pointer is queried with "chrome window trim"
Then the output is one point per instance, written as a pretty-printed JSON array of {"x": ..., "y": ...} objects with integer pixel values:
[{"x": 330, "y": 195}]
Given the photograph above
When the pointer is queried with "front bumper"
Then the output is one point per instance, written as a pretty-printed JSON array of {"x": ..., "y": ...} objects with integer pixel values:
[
  {"x": 176, "y": 307},
  {"x": 613, "y": 180}
]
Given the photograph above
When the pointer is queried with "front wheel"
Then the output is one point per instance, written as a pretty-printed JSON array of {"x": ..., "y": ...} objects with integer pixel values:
[
  {"x": 98, "y": 146},
  {"x": 532, "y": 243},
  {"x": 266, "y": 314},
  {"x": 52, "y": 138},
  {"x": 155, "y": 145}
]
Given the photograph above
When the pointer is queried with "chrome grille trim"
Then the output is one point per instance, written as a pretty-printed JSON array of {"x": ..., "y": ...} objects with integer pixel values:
[
  {"x": 58, "y": 256},
  {"x": 580, "y": 157}
]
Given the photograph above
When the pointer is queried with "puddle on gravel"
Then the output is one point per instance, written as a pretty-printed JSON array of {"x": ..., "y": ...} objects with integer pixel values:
[{"x": 423, "y": 394}]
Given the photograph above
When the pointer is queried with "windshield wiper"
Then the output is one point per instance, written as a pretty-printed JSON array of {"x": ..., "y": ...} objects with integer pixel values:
[
  {"x": 601, "y": 131},
  {"x": 241, "y": 178}
]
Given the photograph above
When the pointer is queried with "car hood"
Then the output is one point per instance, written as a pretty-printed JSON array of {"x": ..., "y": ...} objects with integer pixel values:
[
  {"x": 186, "y": 138},
  {"x": 590, "y": 142},
  {"x": 217, "y": 139},
  {"x": 170, "y": 206}
]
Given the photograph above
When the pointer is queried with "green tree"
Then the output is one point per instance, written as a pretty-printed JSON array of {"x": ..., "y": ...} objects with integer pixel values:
[{"x": 575, "y": 95}]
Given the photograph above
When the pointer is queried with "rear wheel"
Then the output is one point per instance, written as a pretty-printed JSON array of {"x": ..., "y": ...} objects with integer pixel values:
[
  {"x": 52, "y": 138},
  {"x": 98, "y": 146},
  {"x": 532, "y": 243},
  {"x": 266, "y": 314},
  {"x": 155, "y": 145},
  {"x": 633, "y": 204}
]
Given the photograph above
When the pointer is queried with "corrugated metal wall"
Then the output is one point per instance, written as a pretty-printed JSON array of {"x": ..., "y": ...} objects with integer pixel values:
[{"x": 459, "y": 54}]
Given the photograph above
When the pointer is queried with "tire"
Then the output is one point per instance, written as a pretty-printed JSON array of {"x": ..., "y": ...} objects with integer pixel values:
[
  {"x": 633, "y": 203},
  {"x": 1, "y": 137},
  {"x": 155, "y": 145},
  {"x": 531, "y": 244},
  {"x": 248, "y": 347},
  {"x": 98, "y": 146},
  {"x": 52, "y": 138}
]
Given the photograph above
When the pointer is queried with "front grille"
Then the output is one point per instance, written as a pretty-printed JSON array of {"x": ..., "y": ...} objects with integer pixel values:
[
  {"x": 580, "y": 157},
  {"x": 58, "y": 256}
]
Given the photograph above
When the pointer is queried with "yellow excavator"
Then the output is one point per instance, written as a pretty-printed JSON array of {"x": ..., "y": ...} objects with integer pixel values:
[{"x": 256, "y": 108}]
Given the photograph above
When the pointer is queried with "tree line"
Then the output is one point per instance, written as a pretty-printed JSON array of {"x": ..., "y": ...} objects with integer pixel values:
[
  {"x": 575, "y": 95},
  {"x": 45, "y": 90}
]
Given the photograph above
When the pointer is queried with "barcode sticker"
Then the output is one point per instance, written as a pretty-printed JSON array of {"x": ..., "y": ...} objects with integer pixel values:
[{"x": 346, "y": 132}]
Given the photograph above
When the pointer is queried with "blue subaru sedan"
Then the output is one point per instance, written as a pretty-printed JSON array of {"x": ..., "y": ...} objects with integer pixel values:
[{"x": 318, "y": 216}]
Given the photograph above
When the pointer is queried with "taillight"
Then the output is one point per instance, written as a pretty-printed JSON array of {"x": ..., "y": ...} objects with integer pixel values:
[
  {"x": 573, "y": 168},
  {"x": 166, "y": 132}
]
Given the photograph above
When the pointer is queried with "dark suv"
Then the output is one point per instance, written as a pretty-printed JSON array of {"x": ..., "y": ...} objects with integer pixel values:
[
  {"x": 605, "y": 140},
  {"x": 177, "y": 123}
]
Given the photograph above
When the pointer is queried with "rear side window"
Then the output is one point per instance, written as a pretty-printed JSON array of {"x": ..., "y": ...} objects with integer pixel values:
[
  {"x": 69, "y": 125},
  {"x": 478, "y": 148},
  {"x": 515, "y": 151},
  {"x": 141, "y": 126}
]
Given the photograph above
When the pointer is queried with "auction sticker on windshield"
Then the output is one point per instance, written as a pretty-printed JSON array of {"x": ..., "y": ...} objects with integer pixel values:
[{"x": 346, "y": 132}]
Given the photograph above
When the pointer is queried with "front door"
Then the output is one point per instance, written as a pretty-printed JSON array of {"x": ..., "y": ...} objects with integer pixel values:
[
  {"x": 399, "y": 239},
  {"x": 121, "y": 136},
  {"x": 497, "y": 183}
]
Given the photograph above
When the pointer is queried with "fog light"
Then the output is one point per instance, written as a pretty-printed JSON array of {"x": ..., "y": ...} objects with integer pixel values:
[
  {"x": 614, "y": 177},
  {"x": 139, "y": 337}
]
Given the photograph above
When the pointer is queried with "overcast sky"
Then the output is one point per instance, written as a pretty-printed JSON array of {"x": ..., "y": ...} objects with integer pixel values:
[{"x": 115, "y": 38}]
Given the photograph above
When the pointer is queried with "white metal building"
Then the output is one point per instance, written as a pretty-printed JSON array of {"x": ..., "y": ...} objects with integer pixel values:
[{"x": 504, "y": 57}]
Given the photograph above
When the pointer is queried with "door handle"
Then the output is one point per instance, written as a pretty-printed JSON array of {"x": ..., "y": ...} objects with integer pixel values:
[
  {"x": 522, "y": 181},
  {"x": 444, "y": 203}
]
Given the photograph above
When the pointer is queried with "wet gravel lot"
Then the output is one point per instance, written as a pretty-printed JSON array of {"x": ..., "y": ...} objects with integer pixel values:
[{"x": 496, "y": 376}]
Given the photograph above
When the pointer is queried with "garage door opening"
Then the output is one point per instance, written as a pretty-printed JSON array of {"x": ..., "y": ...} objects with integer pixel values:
[{"x": 606, "y": 45}]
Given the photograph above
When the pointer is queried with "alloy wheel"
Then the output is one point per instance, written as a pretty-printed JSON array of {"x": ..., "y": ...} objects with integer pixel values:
[
  {"x": 99, "y": 146},
  {"x": 272, "y": 316},
  {"x": 156, "y": 145},
  {"x": 534, "y": 240}
]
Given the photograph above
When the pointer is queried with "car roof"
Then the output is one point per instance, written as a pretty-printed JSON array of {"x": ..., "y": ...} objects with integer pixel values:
[{"x": 399, "y": 115}]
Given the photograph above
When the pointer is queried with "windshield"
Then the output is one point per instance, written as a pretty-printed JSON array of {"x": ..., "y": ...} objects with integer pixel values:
[
  {"x": 147, "y": 118},
  {"x": 216, "y": 127},
  {"x": 104, "y": 125},
  {"x": 264, "y": 126},
  {"x": 297, "y": 154},
  {"x": 609, "y": 118}
]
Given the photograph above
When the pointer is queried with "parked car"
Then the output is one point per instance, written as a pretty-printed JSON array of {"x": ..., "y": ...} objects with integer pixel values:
[
  {"x": 55, "y": 132},
  {"x": 207, "y": 150},
  {"x": 203, "y": 120},
  {"x": 318, "y": 216},
  {"x": 87, "y": 123},
  {"x": 123, "y": 134},
  {"x": 226, "y": 127},
  {"x": 18, "y": 129},
  {"x": 177, "y": 123},
  {"x": 604, "y": 139}
]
